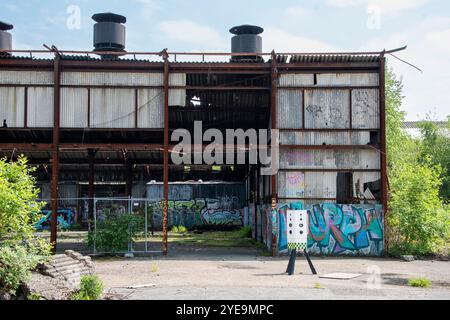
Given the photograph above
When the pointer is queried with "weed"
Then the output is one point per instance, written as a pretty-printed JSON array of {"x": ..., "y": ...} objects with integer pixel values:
[
  {"x": 91, "y": 288},
  {"x": 419, "y": 282}
]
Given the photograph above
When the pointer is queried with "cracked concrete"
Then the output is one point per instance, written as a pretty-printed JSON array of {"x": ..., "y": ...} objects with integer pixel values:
[{"x": 242, "y": 273}]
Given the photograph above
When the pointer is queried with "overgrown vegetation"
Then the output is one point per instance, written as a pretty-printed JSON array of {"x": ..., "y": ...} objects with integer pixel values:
[
  {"x": 419, "y": 282},
  {"x": 115, "y": 232},
  {"x": 91, "y": 288},
  {"x": 20, "y": 250},
  {"x": 246, "y": 232},
  {"x": 418, "y": 219}
]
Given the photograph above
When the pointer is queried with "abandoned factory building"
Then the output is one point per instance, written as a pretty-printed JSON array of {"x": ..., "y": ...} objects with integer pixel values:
[{"x": 98, "y": 126}]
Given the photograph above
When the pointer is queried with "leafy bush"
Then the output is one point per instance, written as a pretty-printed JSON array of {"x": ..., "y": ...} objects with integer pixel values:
[
  {"x": 20, "y": 250},
  {"x": 91, "y": 288},
  {"x": 246, "y": 232},
  {"x": 418, "y": 222},
  {"x": 419, "y": 282},
  {"x": 115, "y": 232},
  {"x": 174, "y": 229}
]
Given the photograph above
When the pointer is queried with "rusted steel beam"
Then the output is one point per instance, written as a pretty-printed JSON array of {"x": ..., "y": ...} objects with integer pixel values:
[
  {"x": 383, "y": 155},
  {"x": 26, "y": 146},
  {"x": 329, "y": 129},
  {"x": 328, "y": 147},
  {"x": 55, "y": 153},
  {"x": 332, "y": 170},
  {"x": 274, "y": 125},
  {"x": 327, "y": 87},
  {"x": 166, "y": 154}
]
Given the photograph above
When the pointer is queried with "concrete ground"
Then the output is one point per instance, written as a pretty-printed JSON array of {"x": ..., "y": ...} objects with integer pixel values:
[{"x": 243, "y": 273}]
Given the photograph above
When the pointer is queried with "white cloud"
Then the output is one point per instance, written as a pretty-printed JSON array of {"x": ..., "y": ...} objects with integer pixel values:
[
  {"x": 428, "y": 91},
  {"x": 189, "y": 32},
  {"x": 386, "y": 6},
  {"x": 282, "y": 41}
]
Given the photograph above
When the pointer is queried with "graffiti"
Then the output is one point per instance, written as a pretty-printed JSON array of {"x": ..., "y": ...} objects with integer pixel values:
[
  {"x": 64, "y": 219},
  {"x": 338, "y": 229},
  {"x": 189, "y": 213},
  {"x": 314, "y": 110},
  {"x": 295, "y": 184}
]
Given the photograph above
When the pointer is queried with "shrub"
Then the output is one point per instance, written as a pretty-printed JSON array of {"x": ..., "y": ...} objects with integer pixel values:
[
  {"x": 419, "y": 224},
  {"x": 20, "y": 250},
  {"x": 115, "y": 233},
  {"x": 91, "y": 288},
  {"x": 174, "y": 229},
  {"x": 246, "y": 232},
  {"x": 419, "y": 282}
]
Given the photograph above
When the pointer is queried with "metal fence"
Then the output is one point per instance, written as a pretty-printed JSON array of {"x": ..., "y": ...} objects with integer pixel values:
[{"x": 118, "y": 225}]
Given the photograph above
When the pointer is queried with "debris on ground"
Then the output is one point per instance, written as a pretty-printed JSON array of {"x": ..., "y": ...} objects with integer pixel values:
[{"x": 59, "y": 278}]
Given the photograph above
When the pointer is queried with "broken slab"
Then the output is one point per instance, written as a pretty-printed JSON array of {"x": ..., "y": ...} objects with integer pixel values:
[{"x": 60, "y": 277}]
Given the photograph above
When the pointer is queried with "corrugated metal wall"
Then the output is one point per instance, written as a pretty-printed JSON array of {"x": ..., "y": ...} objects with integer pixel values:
[
  {"x": 150, "y": 108},
  {"x": 112, "y": 79},
  {"x": 26, "y": 77},
  {"x": 12, "y": 106},
  {"x": 112, "y": 108},
  {"x": 295, "y": 80},
  {"x": 74, "y": 107},
  {"x": 327, "y": 109},
  {"x": 329, "y": 138},
  {"x": 40, "y": 107},
  {"x": 347, "y": 79},
  {"x": 365, "y": 108},
  {"x": 289, "y": 109},
  {"x": 109, "y": 107},
  {"x": 329, "y": 159}
]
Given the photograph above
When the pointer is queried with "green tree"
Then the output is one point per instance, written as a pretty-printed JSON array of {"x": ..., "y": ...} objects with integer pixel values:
[
  {"x": 435, "y": 145},
  {"x": 20, "y": 250},
  {"x": 418, "y": 221}
]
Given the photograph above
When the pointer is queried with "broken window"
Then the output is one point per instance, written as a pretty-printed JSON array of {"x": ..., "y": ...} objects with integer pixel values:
[{"x": 344, "y": 187}]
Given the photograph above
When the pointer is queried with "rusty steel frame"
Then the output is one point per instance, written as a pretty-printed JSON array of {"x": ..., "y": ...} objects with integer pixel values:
[
  {"x": 166, "y": 155},
  {"x": 274, "y": 125},
  {"x": 55, "y": 153},
  {"x": 383, "y": 154},
  {"x": 272, "y": 69}
]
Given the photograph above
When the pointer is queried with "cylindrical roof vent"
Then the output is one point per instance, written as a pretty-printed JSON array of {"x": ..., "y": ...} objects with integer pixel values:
[
  {"x": 5, "y": 38},
  {"x": 246, "y": 40},
  {"x": 109, "y": 32}
]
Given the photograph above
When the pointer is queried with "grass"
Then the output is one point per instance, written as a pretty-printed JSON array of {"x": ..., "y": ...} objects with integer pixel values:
[
  {"x": 154, "y": 268},
  {"x": 419, "y": 282}
]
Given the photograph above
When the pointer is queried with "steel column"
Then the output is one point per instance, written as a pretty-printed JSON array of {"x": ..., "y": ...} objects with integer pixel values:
[
  {"x": 383, "y": 162},
  {"x": 166, "y": 152},
  {"x": 55, "y": 152},
  {"x": 273, "y": 105}
]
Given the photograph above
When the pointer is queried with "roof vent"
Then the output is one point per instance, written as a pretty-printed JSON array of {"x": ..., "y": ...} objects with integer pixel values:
[
  {"x": 5, "y": 38},
  {"x": 109, "y": 32},
  {"x": 246, "y": 40}
]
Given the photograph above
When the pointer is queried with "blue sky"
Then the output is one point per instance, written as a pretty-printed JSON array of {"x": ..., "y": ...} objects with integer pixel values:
[{"x": 290, "y": 26}]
